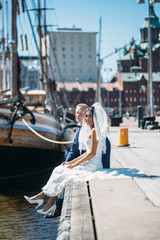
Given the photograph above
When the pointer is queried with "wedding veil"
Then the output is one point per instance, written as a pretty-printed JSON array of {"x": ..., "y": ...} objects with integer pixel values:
[{"x": 100, "y": 124}]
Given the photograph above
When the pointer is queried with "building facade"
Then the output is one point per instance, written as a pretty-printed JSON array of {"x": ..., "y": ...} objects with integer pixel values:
[
  {"x": 71, "y": 94},
  {"x": 133, "y": 67},
  {"x": 72, "y": 55}
]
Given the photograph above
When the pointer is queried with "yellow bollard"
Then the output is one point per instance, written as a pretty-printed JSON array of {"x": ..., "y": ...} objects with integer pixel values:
[{"x": 123, "y": 137}]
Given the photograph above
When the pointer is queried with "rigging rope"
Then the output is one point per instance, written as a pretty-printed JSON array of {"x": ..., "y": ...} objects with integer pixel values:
[
  {"x": 39, "y": 135},
  {"x": 4, "y": 129}
]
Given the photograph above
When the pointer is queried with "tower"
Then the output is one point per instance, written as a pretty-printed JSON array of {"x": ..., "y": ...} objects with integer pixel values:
[{"x": 155, "y": 28}]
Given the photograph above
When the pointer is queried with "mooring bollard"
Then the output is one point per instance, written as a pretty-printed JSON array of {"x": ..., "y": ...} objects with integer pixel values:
[{"x": 123, "y": 137}]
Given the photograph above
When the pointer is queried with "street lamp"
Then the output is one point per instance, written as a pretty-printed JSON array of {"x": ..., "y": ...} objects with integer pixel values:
[
  {"x": 150, "y": 83},
  {"x": 108, "y": 70}
]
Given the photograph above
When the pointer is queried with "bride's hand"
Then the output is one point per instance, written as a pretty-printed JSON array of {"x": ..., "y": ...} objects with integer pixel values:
[
  {"x": 70, "y": 166},
  {"x": 64, "y": 163}
]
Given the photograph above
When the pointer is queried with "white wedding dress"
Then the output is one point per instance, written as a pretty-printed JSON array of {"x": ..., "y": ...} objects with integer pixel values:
[{"x": 62, "y": 175}]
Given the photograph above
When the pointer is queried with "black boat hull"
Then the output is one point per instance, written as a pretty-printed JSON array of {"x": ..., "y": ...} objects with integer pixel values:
[{"x": 21, "y": 163}]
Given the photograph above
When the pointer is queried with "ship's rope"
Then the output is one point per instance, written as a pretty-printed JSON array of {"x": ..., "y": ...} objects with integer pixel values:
[
  {"x": 39, "y": 135},
  {"x": 4, "y": 129}
]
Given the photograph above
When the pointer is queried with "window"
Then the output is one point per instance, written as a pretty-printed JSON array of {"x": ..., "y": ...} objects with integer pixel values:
[
  {"x": 80, "y": 56},
  {"x": 154, "y": 64},
  {"x": 64, "y": 55},
  {"x": 71, "y": 41},
  {"x": 72, "y": 70},
  {"x": 55, "y": 70},
  {"x": 63, "y": 49},
  {"x": 72, "y": 56},
  {"x": 72, "y": 63},
  {"x": 135, "y": 99},
  {"x": 80, "y": 49},
  {"x": 111, "y": 99},
  {"x": 72, "y": 49},
  {"x": 64, "y": 63},
  {"x": 126, "y": 99},
  {"x": 130, "y": 91},
  {"x": 130, "y": 99},
  {"x": 126, "y": 91},
  {"x": 140, "y": 99},
  {"x": 89, "y": 41},
  {"x": 54, "y": 41},
  {"x": 80, "y": 70},
  {"x": 63, "y": 40},
  {"x": 89, "y": 49},
  {"x": 89, "y": 56},
  {"x": 134, "y": 91},
  {"x": 144, "y": 99},
  {"x": 79, "y": 41},
  {"x": 64, "y": 70}
]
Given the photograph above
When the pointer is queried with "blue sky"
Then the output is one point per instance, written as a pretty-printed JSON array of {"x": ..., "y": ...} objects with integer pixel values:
[{"x": 121, "y": 20}]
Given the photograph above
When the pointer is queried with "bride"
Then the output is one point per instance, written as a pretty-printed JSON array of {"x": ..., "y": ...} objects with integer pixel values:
[{"x": 82, "y": 167}]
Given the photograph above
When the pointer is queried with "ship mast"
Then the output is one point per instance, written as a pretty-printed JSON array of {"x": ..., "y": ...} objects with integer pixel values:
[
  {"x": 98, "y": 91},
  {"x": 14, "y": 61},
  {"x": 40, "y": 45}
]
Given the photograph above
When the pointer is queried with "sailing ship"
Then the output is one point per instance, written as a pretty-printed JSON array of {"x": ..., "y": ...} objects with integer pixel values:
[{"x": 24, "y": 153}]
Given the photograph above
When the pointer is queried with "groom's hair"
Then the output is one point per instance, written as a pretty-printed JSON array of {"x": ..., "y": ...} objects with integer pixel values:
[{"x": 83, "y": 106}]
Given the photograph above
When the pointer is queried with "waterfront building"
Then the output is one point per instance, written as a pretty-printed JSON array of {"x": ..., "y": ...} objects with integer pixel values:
[
  {"x": 86, "y": 92},
  {"x": 133, "y": 67},
  {"x": 72, "y": 55}
]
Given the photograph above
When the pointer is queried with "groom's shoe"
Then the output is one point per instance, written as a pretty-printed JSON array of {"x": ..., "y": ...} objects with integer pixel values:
[{"x": 54, "y": 214}]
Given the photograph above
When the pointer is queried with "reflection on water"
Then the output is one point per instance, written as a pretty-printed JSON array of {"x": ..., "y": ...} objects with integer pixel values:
[{"x": 19, "y": 219}]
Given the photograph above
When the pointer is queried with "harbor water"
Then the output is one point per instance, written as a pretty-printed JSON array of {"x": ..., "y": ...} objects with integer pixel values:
[{"x": 19, "y": 219}]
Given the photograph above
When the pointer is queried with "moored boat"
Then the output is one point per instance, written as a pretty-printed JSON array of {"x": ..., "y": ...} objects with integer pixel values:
[
  {"x": 23, "y": 152},
  {"x": 30, "y": 142}
]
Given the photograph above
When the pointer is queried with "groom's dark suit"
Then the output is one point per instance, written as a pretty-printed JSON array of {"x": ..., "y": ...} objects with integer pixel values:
[{"x": 74, "y": 153}]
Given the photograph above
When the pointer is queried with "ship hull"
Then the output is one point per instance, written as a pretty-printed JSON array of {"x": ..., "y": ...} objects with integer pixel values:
[
  {"x": 23, "y": 162},
  {"x": 28, "y": 154}
]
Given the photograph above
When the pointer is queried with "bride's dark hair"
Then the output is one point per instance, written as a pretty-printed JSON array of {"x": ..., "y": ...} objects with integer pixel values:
[{"x": 90, "y": 109}]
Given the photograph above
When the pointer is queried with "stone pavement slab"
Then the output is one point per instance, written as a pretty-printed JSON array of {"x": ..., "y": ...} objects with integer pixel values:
[
  {"x": 122, "y": 211},
  {"x": 81, "y": 216},
  {"x": 142, "y": 154}
]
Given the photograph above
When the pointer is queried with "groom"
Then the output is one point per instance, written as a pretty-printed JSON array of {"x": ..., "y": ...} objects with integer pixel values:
[{"x": 75, "y": 152}]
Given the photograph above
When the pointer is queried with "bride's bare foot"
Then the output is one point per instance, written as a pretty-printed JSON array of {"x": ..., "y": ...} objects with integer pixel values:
[{"x": 49, "y": 204}]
